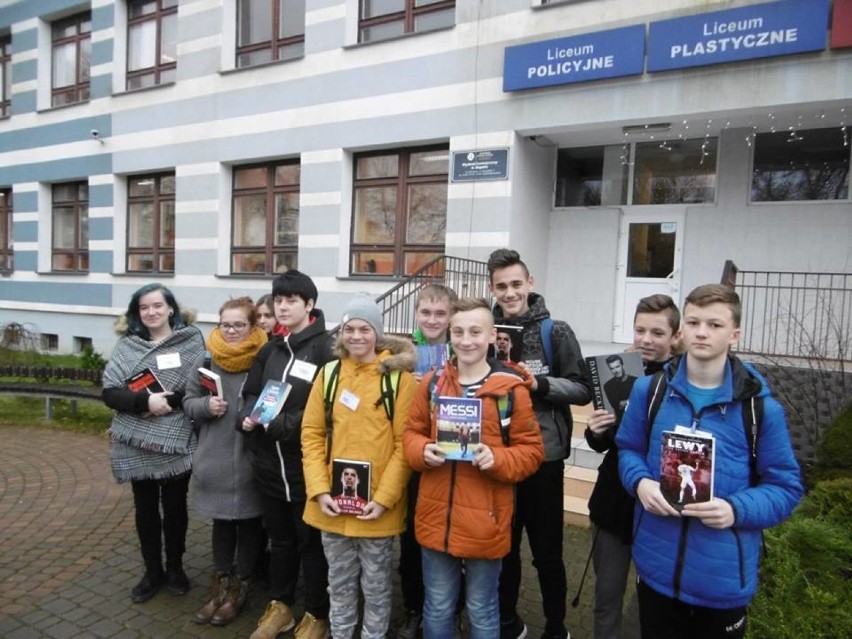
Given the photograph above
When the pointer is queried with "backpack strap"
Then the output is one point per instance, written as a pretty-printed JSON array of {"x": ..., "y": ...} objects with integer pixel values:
[
  {"x": 330, "y": 377},
  {"x": 656, "y": 397},
  {"x": 389, "y": 384},
  {"x": 546, "y": 328}
]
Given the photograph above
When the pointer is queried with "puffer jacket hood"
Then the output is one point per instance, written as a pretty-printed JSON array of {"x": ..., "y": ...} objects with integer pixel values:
[{"x": 398, "y": 353}]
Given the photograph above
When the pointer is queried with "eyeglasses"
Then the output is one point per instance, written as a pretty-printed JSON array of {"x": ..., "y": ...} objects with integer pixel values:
[{"x": 236, "y": 326}]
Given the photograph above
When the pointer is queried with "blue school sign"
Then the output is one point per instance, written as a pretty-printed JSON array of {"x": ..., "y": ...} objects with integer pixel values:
[
  {"x": 592, "y": 56},
  {"x": 758, "y": 31}
]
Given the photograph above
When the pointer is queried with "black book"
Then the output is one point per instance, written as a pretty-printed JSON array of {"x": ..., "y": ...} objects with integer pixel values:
[
  {"x": 509, "y": 344},
  {"x": 612, "y": 379},
  {"x": 145, "y": 380}
]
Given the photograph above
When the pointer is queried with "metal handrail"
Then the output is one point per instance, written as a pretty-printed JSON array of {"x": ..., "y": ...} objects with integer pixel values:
[
  {"x": 468, "y": 278},
  {"x": 794, "y": 314}
]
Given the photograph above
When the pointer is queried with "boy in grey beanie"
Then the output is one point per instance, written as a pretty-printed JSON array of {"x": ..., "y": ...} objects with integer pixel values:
[{"x": 362, "y": 307}]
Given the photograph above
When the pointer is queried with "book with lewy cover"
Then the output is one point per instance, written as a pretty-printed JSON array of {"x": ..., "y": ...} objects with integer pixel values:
[
  {"x": 145, "y": 380},
  {"x": 431, "y": 357},
  {"x": 210, "y": 381},
  {"x": 350, "y": 484},
  {"x": 509, "y": 344},
  {"x": 270, "y": 401},
  {"x": 686, "y": 466},
  {"x": 612, "y": 379},
  {"x": 459, "y": 426}
]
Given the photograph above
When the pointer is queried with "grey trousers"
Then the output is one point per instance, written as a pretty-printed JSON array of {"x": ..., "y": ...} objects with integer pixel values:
[
  {"x": 612, "y": 565},
  {"x": 352, "y": 560}
]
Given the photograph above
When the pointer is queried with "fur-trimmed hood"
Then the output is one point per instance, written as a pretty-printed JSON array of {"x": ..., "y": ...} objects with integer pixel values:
[{"x": 395, "y": 353}]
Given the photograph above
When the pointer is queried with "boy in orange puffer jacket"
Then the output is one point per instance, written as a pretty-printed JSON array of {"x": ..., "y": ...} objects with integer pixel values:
[{"x": 464, "y": 508}]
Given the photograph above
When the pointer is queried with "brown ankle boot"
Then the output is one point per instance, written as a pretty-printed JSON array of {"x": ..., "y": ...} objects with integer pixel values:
[
  {"x": 218, "y": 588},
  {"x": 233, "y": 603}
]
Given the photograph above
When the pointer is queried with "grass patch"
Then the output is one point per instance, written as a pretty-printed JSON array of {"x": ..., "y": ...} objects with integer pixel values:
[{"x": 91, "y": 416}]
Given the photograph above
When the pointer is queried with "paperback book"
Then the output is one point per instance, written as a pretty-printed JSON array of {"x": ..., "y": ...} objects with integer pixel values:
[
  {"x": 686, "y": 467},
  {"x": 270, "y": 401},
  {"x": 210, "y": 381},
  {"x": 459, "y": 426},
  {"x": 145, "y": 380},
  {"x": 509, "y": 344},
  {"x": 612, "y": 379},
  {"x": 350, "y": 484},
  {"x": 431, "y": 357}
]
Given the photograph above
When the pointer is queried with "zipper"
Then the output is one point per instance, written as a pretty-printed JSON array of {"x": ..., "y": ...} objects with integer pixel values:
[
  {"x": 450, "y": 507},
  {"x": 278, "y": 444},
  {"x": 681, "y": 551},
  {"x": 740, "y": 556}
]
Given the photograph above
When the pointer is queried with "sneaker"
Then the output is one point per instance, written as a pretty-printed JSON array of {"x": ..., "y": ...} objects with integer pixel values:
[
  {"x": 411, "y": 626},
  {"x": 311, "y": 628},
  {"x": 514, "y": 629},
  {"x": 277, "y": 618},
  {"x": 561, "y": 635}
]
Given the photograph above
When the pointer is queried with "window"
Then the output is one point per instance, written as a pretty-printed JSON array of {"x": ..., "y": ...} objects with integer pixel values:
[
  {"x": 71, "y": 227},
  {"x": 5, "y": 77},
  {"x": 49, "y": 342},
  {"x": 399, "y": 218},
  {"x": 675, "y": 172},
  {"x": 265, "y": 227},
  {"x": 592, "y": 176},
  {"x": 801, "y": 165},
  {"x": 151, "y": 42},
  {"x": 383, "y": 19},
  {"x": 71, "y": 48},
  {"x": 6, "y": 254},
  {"x": 82, "y": 343},
  {"x": 151, "y": 223},
  {"x": 269, "y": 30}
]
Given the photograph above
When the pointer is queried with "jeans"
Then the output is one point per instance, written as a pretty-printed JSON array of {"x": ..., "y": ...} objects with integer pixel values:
[
  {"x": 442, "y": 576},
  {"x": 292, "y": 543},
  {"x": 612, "y": 565},
  {"x": 539, "y": 510}
]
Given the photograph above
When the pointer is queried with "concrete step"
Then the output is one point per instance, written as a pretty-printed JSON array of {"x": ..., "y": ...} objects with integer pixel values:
[
  {"x": 580, "y": 415},
  {"x": 575, "y": 511},
  {"x": 582, "y": 455},
  {"x": 579, "y": 482}
]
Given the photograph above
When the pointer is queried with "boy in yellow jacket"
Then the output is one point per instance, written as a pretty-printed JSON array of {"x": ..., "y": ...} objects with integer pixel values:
[{"x": 359, "y": 547}]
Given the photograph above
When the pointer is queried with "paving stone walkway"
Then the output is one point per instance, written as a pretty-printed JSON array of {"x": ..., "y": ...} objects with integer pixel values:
[{"x": 69, "y": 554}]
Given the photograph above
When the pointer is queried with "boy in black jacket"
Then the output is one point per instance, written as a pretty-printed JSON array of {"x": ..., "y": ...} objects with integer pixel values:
[
  {"x": 299, "y": 348},
  {"x": 656, "y": 329}
]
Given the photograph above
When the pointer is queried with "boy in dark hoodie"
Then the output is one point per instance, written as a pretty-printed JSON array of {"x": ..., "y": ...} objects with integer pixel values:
[{"x": 298, "y": 349}]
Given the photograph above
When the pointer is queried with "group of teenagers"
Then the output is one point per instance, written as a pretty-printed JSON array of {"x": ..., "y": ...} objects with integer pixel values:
[{"x": 268, "y": 486}]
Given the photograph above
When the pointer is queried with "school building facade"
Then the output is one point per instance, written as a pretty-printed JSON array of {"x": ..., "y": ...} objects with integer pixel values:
[{"x": 624, "y": 147}]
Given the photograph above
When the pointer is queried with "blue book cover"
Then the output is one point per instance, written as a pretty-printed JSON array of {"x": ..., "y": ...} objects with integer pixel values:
[
  {"x": 431, "y": 357},
  {"x": 459, "y": 426},
  {"x": 270, "y": 401}
]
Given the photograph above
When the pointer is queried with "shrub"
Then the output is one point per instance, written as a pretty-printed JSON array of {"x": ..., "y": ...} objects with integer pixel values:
[
  {"x": 806, "y": 576},
  {"x": 834, "y": 454}
]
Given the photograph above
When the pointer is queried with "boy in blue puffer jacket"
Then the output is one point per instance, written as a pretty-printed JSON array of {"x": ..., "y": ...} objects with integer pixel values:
[{"x": 698, "y": 566}]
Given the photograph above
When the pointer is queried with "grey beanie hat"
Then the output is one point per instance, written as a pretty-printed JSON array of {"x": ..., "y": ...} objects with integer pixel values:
[{"x": 362, "y": 307}]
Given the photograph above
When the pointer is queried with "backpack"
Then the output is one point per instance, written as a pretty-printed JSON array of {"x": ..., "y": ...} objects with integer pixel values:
[
  {"x": 546, "y": 328},
  {"x": 505, "y": 403},
  {"x": 389, "y": 386},
  {"x": 752, "y": 419}
]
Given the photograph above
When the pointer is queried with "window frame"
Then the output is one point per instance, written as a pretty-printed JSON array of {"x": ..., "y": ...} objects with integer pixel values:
[
  {"x": 7, "y": 254},
  {"x": 80, "y": 90},
  {"x": 270, "y": 192},
  {"x": 159, "y": 67},
  {"x": 5, "y": 77},
  {"x": 157, "y": 250},
  {"x": 80, "y": 207},
  {"x": 408, "y": 16},
  {"x": 274, "y": 44},
  {"x": 793, "y": 139},
  {"x": 400, "y": 247}
]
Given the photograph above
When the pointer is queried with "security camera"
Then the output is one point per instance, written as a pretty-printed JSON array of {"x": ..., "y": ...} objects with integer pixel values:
[{"x": 95, "y": 133}]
